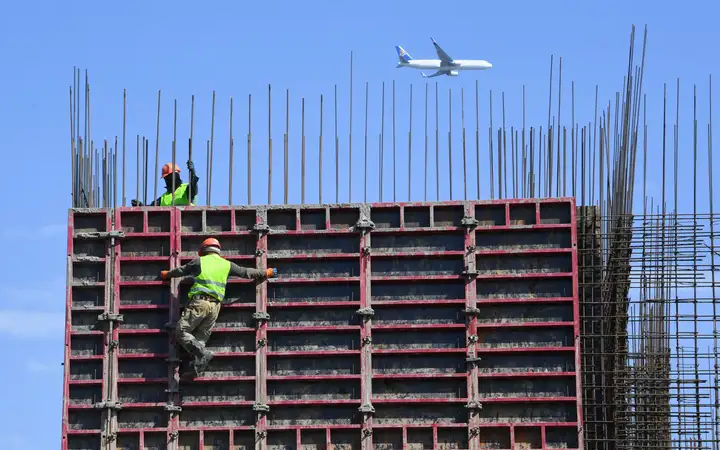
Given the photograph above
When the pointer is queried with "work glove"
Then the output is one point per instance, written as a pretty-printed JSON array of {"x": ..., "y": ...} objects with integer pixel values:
[
  {"x": 191, "y": 166},
  {"x": 271, "y": 273},
  {"x": 163, "y": 274},
  {"x": 136, "y": 203}
]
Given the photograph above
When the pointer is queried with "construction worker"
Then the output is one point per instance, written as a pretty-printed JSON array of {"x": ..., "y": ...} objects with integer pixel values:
[
  {"x": 211, "y": 272},
  {"x": 171, "y": 173}
]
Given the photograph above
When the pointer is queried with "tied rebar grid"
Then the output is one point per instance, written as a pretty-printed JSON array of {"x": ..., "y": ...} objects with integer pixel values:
[{"x": 648, "y": 281}]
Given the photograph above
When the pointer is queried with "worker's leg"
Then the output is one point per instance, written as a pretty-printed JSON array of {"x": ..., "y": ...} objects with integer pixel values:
[
  {"x": 193, "y": 315},
  {"x": 203, "y": 332}
]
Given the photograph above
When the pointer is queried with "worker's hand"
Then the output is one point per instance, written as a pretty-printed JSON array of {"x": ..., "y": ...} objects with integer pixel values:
[
  {"x": 191, "y": 166},
  {"x": 136, "y": 203},
  {"x": 271, "y": 273},
  {"x": 163, "y": 274}
]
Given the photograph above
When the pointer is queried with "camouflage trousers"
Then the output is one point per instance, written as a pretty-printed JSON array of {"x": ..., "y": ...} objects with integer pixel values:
[{"x": 196, "y": 323}]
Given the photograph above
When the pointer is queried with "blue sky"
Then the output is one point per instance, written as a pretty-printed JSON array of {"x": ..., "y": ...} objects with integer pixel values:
[{"x": 237, "y": 49}]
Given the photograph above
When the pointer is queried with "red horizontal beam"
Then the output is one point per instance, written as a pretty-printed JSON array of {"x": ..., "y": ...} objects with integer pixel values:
[
  {"x": 494, "y": 301},
  {"x": 411, "y": 351},
  {"x": 312, "y": 377},
  {"x": 527, "y": 399},
  {"x": 318, "y": 353},
  {"x": 419, "y": 326},
  {"x": 279, "y": 328},
  {"x": 304, "y": 256},
  {"x": 524, "y": 349},
  {"x": 313, "y": 280},
  {"x": 529, "y": 251},
  {"x": 416, "y": 376},
  {"x": 524, "y": 325},
  {"x": 313, "y": 402},
  {"x": 525, "y": 374}
]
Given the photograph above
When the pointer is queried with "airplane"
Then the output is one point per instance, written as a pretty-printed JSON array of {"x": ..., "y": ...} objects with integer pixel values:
[{"x": 445, "y": 65}]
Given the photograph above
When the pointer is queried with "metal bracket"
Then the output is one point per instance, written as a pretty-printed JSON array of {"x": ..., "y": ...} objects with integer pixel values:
[
  {"x": 473, "y": 405},
  {"x": 469, "y": 273},
  {"x": 367, "y": 340},
  {"x": 259, "y": 252},
  {"x": 109, "y": 437},
  {"x": 261, "y": 434},
  {"x": 471, "y": 311},
  {"x": 473, "y": 359},
  {"x": 474, "y": 431},
  {"x": 469, "y": 222},
  {"x": 174, "y": 435},
  {"x": 366, "y": 313},
  {"x": 108, "y": 317},
  {"x": 366, "y": 251},
  {"x": 471, "y": 248},
  {"x": 261, "y": 407},
  {"x": 114, "y": 406},
  {"x": 170, "y": 407},
  {"x": 364, "y": 224},
  {"x": 261, "y": 228},
  {"x": 366, "y": 432},
  {"x": 367, "y": 408},
  {"x": 261, "y": 343},
  {"x": 261, "y": 316},
  {"x": 473, "y": 338},
  {"x": 113, "y": 344}
]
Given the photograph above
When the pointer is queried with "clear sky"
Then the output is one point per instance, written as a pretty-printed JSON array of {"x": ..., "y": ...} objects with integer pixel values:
[{"x": 237, "y": 48}]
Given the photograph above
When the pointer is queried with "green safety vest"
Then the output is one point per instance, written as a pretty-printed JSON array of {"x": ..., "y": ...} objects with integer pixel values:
[
  {"x": 214, "y": 272},
  {"x": 181, "y": 197}
]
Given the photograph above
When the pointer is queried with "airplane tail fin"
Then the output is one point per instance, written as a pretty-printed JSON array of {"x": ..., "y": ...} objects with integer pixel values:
[{"x": 403, "y": 56}]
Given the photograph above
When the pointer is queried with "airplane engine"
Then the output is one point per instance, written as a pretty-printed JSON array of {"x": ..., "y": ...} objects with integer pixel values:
[{"x": 453, "y": 73}]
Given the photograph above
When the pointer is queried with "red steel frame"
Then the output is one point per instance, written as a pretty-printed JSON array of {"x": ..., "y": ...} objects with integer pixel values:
[{"x": 366, "y": 403}]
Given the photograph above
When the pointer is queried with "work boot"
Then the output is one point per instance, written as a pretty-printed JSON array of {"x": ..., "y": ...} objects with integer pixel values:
[{"x": 201, "y": 363}]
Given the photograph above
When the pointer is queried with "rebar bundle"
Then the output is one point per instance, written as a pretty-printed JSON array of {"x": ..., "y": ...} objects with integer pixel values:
[{"x": 647, "y": 275}]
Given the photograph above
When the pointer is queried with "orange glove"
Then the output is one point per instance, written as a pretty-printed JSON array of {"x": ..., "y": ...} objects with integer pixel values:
[
  {"x": 163, "y": 274},
  {"x": 271, "y": 273}
]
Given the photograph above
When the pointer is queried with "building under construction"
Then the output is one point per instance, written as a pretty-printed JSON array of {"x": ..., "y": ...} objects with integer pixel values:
[{"x": 541, "y": 307}]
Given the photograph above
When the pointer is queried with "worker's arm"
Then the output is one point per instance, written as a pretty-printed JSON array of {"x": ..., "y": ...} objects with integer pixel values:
[
  {"x": 255, "y": 274},
  {"x": 191, "y": 268},
  {"x": 193, "y": 184}
]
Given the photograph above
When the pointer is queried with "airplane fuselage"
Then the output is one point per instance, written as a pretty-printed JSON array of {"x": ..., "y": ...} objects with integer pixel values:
[{"x": 458, "y": 64}]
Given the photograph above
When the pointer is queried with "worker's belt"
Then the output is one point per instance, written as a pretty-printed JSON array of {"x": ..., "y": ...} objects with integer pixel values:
[{"x": 206, "y": 298}]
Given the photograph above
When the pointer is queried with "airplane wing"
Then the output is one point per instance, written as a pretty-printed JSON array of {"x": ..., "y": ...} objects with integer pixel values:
[
  {"x": 436, "y": 74},
  {"x": 444, "y": 57}
]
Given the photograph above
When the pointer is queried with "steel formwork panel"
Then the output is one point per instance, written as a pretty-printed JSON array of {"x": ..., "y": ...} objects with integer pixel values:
[{"x": 406, "y": 325}]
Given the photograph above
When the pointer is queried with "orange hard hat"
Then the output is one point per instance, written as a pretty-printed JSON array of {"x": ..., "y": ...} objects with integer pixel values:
[
  {"x": 209, "y": 242},
  {"x": 169, "y": 168}
]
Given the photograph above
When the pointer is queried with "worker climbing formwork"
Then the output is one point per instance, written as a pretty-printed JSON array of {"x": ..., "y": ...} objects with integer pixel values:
[
  {"x": 185, "y": 193},
  {"x": 211, "y": 272}
]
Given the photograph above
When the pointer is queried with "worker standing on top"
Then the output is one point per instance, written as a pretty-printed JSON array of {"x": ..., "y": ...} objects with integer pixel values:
[
  {"x": 211, "y": 272},
  {"x": 183, "y": 191}
]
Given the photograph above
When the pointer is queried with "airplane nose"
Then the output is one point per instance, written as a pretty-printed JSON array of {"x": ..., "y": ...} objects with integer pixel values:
[{"x": 489, "y": 66}]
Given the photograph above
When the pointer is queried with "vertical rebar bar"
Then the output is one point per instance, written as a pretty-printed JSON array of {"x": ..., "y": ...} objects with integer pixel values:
[
  {"x": 410, "y": 145},
  {"x": 425, "y": 189},
  {"x": 382, "y": 143},
  {"x": 365, "y": 142},
  {"x": 269, "y": 195},
  {"x": 464, "y": 148},
  {"x": 437, "y": 144},
  {"x": 231, "y": 162},
  {"x": 337, "y": 153},
  {"x": 350, "y": 170},
  {"x": 157, "y": 149},
  {"x": 302, "y": 151},
  {"x": 320, "y": 153},
  {"x": 394, "y": 155},
  {"x": 124, "y": 154},
  {"x": 249, "y": 152},
  {"x": 174, "y": 155},
  {"x": 212, "y": 150},
  {"x": 450, "y": 178},
  {"x": 286, "y": 143}
]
